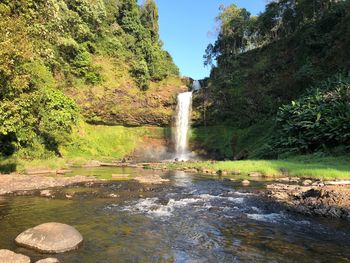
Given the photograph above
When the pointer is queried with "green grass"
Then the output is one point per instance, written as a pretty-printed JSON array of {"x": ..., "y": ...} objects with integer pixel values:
[
  {"x": 103, "y": 142},
  {"x": 89, "y": 142},
  {"x": 15, "y": 164},
  {"x": 302, "y": 166},
  {"x": 227, "y": 142}
]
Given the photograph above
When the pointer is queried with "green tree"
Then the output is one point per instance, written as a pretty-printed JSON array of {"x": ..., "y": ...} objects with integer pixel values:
[
  {"x": 149, "y": 19},
  {"x": 15, "y": 51}
]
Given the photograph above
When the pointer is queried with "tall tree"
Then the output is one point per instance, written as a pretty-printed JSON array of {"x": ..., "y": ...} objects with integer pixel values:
[{"x": 149, "y": 19}]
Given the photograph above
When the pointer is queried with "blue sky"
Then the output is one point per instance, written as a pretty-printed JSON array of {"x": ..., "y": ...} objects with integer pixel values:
[{"x": 184, "y": 27}]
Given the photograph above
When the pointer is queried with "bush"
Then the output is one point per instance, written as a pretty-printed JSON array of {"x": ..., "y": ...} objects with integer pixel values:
[
  {"x": 320, "y": 121},
  {"x": 43, "y": 117},
  {"x": 141, "y": 74}
]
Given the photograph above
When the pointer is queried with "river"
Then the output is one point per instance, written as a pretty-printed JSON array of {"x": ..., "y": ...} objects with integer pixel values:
[{"x": 194, "y": 218}]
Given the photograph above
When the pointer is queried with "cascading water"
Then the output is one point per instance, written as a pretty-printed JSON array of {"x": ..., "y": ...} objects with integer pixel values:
[
  {"x": 182, "y": 125},
  {"x": 196, "y": 85}
]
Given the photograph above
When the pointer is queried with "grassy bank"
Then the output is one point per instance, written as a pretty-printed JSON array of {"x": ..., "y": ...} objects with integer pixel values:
[
  {"x": 302, "y": 166},
  {"x": 89, "y": 142},
  {"x": 222, "y": 142}
]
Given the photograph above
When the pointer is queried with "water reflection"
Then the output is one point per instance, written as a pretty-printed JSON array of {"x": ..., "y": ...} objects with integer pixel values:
[{"x": 181, "y": 179}]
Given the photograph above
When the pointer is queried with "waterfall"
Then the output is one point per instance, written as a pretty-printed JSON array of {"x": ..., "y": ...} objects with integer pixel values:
[
  {"x": 182, "y": 125},
  {"x": 196, "y": 85}
]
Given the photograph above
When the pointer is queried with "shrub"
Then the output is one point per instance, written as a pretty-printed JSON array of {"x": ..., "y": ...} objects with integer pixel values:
[
  {"x": 141, "y": 74},
  {"x": 320, "y": 121},
  {"x": 43, "y": 117}
]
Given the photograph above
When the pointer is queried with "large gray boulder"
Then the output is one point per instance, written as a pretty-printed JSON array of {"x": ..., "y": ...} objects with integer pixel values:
[
  {"x": 7, "y": 256},
  {"x": 50, "y": 238}
]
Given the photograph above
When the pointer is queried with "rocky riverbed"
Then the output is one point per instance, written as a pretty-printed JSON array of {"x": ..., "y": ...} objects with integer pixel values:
[
  {"x": 16, "y": 183},
  {"x": 310, "y": 197}
]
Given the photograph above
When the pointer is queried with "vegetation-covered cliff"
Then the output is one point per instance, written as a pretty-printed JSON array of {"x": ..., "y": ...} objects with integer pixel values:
[
  {"x": 295, "y": 54},
  {"x": 63, "y": 59}
]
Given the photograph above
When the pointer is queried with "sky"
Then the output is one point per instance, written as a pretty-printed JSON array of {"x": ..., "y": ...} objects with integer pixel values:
[{"x": 184, "y": 28}]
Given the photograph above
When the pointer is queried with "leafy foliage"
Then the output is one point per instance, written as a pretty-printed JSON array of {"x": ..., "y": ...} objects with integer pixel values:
[
  {"x": 43, "y": 117},
  {"x": 261, "y": 63},
  {"x": 49, "y": 46},
  {"x": 260, "y": 72},
  {"x": 317, "y": 122}
]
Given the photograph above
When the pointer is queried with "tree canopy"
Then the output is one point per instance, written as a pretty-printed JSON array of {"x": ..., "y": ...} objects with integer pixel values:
[{"x": 48, "y": 46}]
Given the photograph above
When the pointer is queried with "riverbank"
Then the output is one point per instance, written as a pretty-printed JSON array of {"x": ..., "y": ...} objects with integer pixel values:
[
  {"x": 93, "y": 142},
  {"x": 26, "y": 184},
  {"x": 326, "y": 168},
  {"x": 312, "y": 198}
]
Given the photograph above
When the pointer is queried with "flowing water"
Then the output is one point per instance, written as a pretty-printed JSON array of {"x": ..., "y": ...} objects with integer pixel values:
[
  {"x": 191, "y": 219},
  {"x": 182, "y": 125},
  {"x": 196, "y": 85}
]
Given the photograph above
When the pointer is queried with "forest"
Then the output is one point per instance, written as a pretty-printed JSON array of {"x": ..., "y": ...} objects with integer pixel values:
[
  {"x": 279, "y": 81},
  {"x": 67, "y": 61}
]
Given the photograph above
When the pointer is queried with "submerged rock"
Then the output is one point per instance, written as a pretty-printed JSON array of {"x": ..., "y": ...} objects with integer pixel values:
[
  {"x": 24, "y": 184},
  {"x": 7, "y": 256},
  {"x": 151, "y": 179},
  {"x": 50, "y": 238},
  {"x": 120, "y": 176}
]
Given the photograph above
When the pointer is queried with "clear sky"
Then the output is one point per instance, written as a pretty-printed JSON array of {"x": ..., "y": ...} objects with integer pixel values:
[{"x": 184, "y": 27}]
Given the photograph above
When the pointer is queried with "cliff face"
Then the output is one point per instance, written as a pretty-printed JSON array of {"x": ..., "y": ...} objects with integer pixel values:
[{"x": 126, "y": 105}]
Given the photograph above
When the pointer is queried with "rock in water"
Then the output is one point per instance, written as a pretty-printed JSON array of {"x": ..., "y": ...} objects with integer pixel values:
[
  {"x": 255, "y": 174},
  {"x": 151, "y": 179},
  {"x": 50, "y": 238},
  {"x": 245, "y": 183},
  {"x": 7, "y": 256},
  {"x": 48, "y": 260}
]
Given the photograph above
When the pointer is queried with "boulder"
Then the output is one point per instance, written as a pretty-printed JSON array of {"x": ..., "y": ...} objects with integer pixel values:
[
  {"x": 7, "y": 256},
  {"x": 255, "y": 174},
  {"x": 245, "y": 183},
  {"x": 288, "y": 180},
  {"x": 221, "y": 172},
  {"x": 46, "y": 193},
  {"x": 307, "y": 182},
  {"x": 48, "y": 260},
  {"x": 50, "y": 238}
]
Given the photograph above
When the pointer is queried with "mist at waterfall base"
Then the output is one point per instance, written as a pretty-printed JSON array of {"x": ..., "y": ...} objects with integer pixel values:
[{"x": 178, "y": 150}]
